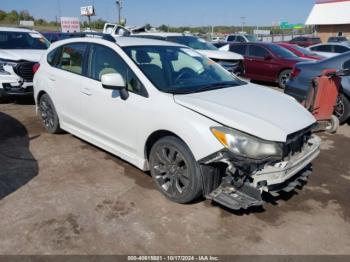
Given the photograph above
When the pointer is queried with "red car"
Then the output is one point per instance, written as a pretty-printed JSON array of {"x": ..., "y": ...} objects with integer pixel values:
[
  {"x": 305, "y": 41},
  {"x": 301, "y": 51},
  {"x": 267, "y": 61}
]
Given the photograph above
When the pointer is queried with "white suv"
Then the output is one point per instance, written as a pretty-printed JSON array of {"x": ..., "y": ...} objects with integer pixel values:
[
  {"x": 166, "y": 108},
  {"x": 20, "y": 49}
]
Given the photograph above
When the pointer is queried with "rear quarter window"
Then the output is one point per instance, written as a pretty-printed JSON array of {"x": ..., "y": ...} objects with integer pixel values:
[{"x": 52, "y": 57}]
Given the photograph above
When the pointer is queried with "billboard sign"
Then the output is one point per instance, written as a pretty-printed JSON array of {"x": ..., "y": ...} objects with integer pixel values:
[
  {"x": 286, "y": 25},
  {"x": 87, "y": 10},
  {"x": 26, "y": 23},
  {"x": 262, "y": 32},
  {"x": 70, "y": 24}
]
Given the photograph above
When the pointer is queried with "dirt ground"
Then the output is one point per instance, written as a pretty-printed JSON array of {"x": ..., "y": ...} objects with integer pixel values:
[{"x": 61, "y": 195}]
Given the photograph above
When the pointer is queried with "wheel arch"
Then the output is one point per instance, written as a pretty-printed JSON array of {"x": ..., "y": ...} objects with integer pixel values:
[
  {"x": 154, "y": 137},
  {"x": 281, "y": 70},
  {"x": 40, "y": 94}
]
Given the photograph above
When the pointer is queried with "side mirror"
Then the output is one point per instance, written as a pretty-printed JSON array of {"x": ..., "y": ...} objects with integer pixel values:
[
  {"x": 268, "y": 57},
  {"x": 115, "y": 81}
]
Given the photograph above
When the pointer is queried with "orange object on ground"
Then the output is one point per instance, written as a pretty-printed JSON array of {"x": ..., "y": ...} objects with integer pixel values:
[{"x": 322, "y": 98}]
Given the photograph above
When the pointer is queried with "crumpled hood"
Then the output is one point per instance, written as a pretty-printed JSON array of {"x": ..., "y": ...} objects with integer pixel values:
[
  {"x": 222, "y": 55},
  {"x": 250, "y": 108},
  {"x": 21, "y": 54}
]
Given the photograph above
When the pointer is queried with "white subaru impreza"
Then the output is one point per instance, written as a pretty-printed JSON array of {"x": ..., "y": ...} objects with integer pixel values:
[{"x": 163, "y": 107}]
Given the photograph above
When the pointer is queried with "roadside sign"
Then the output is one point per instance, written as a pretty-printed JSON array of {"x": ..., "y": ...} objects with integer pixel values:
[
  {"x": 70, "y": 24},
  {"x": 87, "y": 10},
  {"x": 26, "y": 23},
  {"x": 262, "y": 32}
]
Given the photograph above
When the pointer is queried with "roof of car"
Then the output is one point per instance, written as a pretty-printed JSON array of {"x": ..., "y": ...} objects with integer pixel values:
[
  {"x": 162, "y": 34},
  {"x": 16, "y": 29},
  {"x": 346, "y": 44},
  {"x": 121, "y": 41},
  {"x": 136, "y": 41}
]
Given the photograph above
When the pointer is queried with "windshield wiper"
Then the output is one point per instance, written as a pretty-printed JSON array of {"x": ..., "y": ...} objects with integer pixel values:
[{"x": 215, "y": 86}]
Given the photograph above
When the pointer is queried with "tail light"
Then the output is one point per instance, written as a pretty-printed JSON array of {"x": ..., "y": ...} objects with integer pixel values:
[
  {"x": 295, "y": 72},
  {"x": 35, "y": 67}
]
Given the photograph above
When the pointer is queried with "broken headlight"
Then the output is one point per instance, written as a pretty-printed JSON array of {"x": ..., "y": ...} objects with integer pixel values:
[
  {"x": 247, "y": 146},
  {"x": 4, "y": 64}
]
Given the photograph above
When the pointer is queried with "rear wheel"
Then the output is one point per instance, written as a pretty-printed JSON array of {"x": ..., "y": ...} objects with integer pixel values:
[
  {"x": 175, "y": 170},
  {"x": 342, "y": 108},
  {"x": 48, "y": 114},
  {"x": 283, "y": 78}
]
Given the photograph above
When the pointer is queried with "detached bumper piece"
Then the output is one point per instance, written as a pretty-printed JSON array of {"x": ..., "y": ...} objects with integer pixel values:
[
  {"x": 236, "y": 198},
  {"x": 291, "y": 184}
]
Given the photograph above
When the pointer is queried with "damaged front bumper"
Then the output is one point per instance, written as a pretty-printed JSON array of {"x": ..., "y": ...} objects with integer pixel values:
[{"x": 241, "y": 188}]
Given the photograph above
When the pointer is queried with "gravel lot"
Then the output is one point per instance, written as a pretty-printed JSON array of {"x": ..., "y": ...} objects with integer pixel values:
[{"x": 61, "y": 195}]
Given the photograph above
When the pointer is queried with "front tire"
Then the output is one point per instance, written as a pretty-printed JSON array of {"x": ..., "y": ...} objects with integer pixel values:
[
  {"x": 175, "y": 170},
  {"x": 342, "y": 109},
  {"x": 283, "y": 78},
  {"x": 48, "y": 115}
]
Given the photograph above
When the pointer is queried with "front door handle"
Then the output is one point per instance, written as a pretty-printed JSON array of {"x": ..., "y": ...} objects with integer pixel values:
[{"x": 87, "y": 91}]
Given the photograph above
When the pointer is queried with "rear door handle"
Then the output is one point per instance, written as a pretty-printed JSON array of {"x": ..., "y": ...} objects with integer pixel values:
[{"x": 52, "y": 78}]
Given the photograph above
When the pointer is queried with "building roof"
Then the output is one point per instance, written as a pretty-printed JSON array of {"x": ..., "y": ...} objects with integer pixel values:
[{"x": 330, "y": 12}]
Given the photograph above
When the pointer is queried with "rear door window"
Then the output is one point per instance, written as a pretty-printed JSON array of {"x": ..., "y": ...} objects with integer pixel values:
[
  {"x": 240, "y": 39},
  {"x": 72, "y": 58},
  {"x": 231, "y": 38},
  {"x": 257, "y": 51},
  {"x": 239, "y": 49},
  {"x": 340, "y": 49},
  {"x": 322, "y": 48}
]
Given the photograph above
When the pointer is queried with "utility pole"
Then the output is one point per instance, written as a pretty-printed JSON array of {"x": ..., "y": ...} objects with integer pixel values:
[
  {"x": 243, "y": 22},
  {"x": 120, "y": 7}
]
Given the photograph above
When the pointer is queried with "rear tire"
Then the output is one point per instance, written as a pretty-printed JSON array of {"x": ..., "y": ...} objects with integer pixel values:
[
  {"x": 48, "y": 115},
  {"x": 175, "y": 170},
  {"x": 342, "y": 109},
  {"x": 283, "y": 78}
]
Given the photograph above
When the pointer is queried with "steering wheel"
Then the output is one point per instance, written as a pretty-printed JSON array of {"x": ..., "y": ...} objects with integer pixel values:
[{"x": 185, "y": 71}]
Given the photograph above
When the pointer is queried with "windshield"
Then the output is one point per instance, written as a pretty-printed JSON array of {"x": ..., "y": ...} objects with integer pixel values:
[
  {"x": 252, "y": 38},
  {"x": 193, "y": 42},
  {"x": 281, "y": 51},
  {"x": 180, "y": 70},
  {"x": 22, "y": 40}
]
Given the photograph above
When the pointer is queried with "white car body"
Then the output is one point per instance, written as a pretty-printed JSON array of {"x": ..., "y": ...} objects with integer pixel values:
[
  {"x": 92, "y": 113},
  {"x": 314, "y": 48},
  {"x": 11, "y": 81}
]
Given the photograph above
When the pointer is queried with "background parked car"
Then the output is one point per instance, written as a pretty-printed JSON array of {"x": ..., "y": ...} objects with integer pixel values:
[
  {"x": 20, "y": 50},
  {"x": 301, "y": 51},
  {"x": 303, "y": 73},
  {"x": 337, "y": 39},
  {"x": 230, "y": 61},
  {"x": 266, "y": 61},
  {"x": 305, "y": 41},
  {"x": 241, "y": 38},
  {"x": 330, "y": 49}
]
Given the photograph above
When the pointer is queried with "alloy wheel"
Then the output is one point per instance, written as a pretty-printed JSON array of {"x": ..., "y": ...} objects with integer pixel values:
[
  {"x": 47, "y": 114},
  {"x": 171, "y": 171},
  {"x": 284, "y": 79}
]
